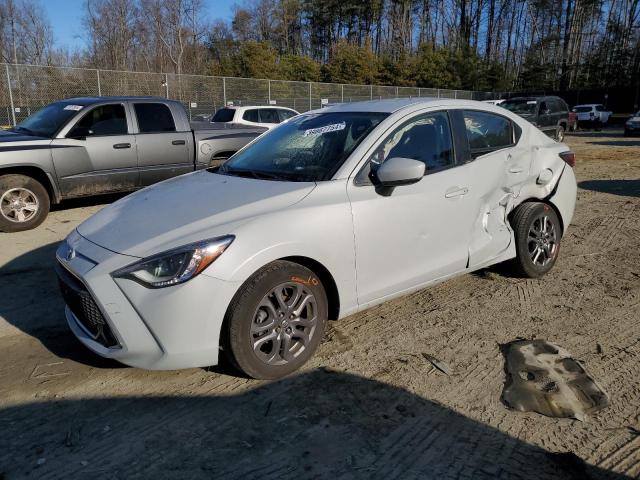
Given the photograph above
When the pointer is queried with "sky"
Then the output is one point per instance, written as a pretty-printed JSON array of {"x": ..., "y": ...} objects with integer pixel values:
[{"x": 66, "y": 19}]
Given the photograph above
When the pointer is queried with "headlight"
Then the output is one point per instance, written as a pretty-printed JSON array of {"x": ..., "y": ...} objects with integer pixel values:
[{"x": 176, "y": 266}]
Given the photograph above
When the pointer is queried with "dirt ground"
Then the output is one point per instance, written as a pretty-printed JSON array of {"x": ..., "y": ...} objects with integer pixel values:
[{"x": 369, "y": 404}]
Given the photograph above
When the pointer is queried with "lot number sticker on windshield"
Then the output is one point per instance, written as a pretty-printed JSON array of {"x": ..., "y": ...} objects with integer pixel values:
[
  {"x": 75, "y": 108},
  {"x": 326, "y": 129}
]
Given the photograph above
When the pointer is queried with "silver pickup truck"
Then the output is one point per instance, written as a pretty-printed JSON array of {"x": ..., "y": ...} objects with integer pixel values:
[{"x": 90, "y": 146}]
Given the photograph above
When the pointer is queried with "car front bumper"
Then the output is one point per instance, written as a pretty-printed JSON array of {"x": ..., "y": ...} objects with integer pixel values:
[
  {"x": 632, "y": 129},
  {"x": 157, "y": 329}
]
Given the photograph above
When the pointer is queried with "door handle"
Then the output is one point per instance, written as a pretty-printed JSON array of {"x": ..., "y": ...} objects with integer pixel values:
[
  {"x": 122, "y": 145},
  {"x": 456, "y": 192},
  {"x": 178, "y": 142},
  {"x": 516, "y": 170}
]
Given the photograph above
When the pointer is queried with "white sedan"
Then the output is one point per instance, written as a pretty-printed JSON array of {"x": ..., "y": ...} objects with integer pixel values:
[{"x": 332, "y": 212}]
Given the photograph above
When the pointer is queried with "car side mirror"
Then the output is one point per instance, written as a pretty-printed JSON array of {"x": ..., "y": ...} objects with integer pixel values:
[
  {"x": 396, "y": 172},
  {"x": 79, "y": 133}
]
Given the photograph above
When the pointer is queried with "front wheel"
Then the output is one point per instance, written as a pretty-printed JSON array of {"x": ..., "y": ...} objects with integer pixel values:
[
  {"x": 24, "y": 203},
  {"x": 276, "y": 321},
  {"x": 537, "y": 233},
  {"x": 560, "y": 133}
]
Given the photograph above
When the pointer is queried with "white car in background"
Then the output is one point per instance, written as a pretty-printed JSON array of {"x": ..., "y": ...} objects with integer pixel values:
[
  {"x": 331, "y": 213},
  {"x": 591, "y": 114},
  {"x": 256, "y": 116}
]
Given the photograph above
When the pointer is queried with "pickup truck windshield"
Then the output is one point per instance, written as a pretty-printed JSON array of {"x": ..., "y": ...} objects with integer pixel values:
[
  {"x": 521, "y": 107},
  {"x": 48, "y": 120},
  {"x": 307, "y": 148},
  {"x": 224, "y": 115}
]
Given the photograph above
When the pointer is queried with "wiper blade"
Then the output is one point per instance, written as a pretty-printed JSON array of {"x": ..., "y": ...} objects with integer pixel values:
[{"x": 258, "y": 174}]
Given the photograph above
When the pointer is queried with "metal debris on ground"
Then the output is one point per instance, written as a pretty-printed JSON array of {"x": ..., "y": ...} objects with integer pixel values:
[
  {"x": 440, "y": 365},
  {"x": 544, "y": 378}
]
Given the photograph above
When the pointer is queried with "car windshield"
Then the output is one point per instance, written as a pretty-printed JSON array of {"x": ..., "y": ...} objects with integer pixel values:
[
  {"x": 582, "y": 109},
  {"x": 48, "y": 120},
  {"x": 526, "y": 107},
  {"x": 224, "y": 115},
  {"x": 307, "y": 148}
]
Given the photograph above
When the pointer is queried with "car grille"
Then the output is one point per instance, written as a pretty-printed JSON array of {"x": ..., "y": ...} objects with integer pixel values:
[{"x": 85, "y": 309}]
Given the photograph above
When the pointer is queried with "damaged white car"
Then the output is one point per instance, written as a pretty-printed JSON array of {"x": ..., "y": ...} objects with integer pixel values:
[{"x": 328, "y": 214}]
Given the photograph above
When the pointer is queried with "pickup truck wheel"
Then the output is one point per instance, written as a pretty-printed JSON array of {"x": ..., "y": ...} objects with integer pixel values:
[
  {"x": 560, "y": 133},
  {"x": 537, "y": 233},
  {"x": 276, "y": 321},
  {"x": 24, "y": 203}
]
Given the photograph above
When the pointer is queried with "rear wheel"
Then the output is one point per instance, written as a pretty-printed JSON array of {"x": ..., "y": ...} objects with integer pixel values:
[
  {"x": 537, "y": 233},
  {"x": 24, "y": 203},
  {"x": 276, "y": 321}
]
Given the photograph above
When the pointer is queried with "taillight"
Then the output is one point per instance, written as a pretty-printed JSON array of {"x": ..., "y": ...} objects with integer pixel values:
[{"x": 569, "y": 157}]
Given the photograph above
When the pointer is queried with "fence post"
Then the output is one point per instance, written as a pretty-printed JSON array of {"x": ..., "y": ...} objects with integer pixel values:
[
  {"x": 310, "y": 107},
  {"x": 224, "y": 92},
  {"x": 13, "y": 110},
  {"x": 166, "y": 84},
  {"x": 371, "y": 91},
  {"x": 455, "y": 94},
  {"x": 269, "y": 84},
  {"x": 396, "y": 92},
  {"x": 99, "y": 88},
  {"x": 342, "y": 93}
]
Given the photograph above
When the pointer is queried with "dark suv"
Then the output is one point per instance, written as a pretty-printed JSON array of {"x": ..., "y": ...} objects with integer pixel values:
[{"x": 549, "y": 114}]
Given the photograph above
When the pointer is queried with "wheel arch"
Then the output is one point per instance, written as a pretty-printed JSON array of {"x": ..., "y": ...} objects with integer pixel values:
[
  {"x": 328, "y": 282},
  {"x": 545, "y": 201},
  {"x": 37, "y": 174}
]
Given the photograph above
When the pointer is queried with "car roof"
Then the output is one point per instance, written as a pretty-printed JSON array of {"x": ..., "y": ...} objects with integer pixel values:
[
  {"x": 534, "y": 97},
  {"x": 391, "y": 105},
  {"x": 588, "y": 105},
  {"x": 245, "y": 107},
  {"x": 92, "y": 100}
]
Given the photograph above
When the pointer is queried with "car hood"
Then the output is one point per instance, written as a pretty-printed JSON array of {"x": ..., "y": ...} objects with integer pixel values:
[
  {"x": 187, "y": 209},
  {"x": 6, "y": 136}
]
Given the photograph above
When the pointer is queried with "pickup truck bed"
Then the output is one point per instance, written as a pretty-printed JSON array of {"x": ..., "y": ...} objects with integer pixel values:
[{"x": 95, "y": 145}]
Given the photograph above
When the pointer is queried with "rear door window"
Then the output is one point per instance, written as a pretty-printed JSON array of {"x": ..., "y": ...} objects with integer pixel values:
[
  {"x": 286, "y": 114},
  {"x": 154, "y": 118},
  {"x": 224, "y": 115},
  {"x": 269, "y": 115},
  {"x": 102, "y": 121},
  {"x": 487, "y": 132},
  {"x": 251, "y": 116}
]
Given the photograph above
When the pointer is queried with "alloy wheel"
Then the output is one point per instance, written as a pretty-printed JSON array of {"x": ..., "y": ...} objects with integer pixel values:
[
  {"x": 284, "y": 323},
  {"x": 19, "y": 205},
  {"x": 542, "y": 241}
]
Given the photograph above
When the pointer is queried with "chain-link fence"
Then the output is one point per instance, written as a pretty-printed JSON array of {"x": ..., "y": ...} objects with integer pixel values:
[{"x": 26, "y": 88}]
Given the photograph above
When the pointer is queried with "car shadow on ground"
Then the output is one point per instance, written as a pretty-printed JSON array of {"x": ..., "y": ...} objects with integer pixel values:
[
  {"x": 607, "y": 133},
  {"x": 32, "y": 303},
  {"x": 622, "y": 142},
  {"x": 320, "y": 424},
  {"x": 625, "y": 188}
]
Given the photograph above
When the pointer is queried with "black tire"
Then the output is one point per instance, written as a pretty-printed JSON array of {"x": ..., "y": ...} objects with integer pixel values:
[
  {"x": 12, "y": 185},
  {"x": 523, "y": 222},
  {"x": 244, "y": 314},
  {"x": 560, "y": 133}
]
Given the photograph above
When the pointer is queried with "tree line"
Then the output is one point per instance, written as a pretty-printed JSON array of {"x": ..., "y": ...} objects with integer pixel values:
[{"x": 466, "y": 44}]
